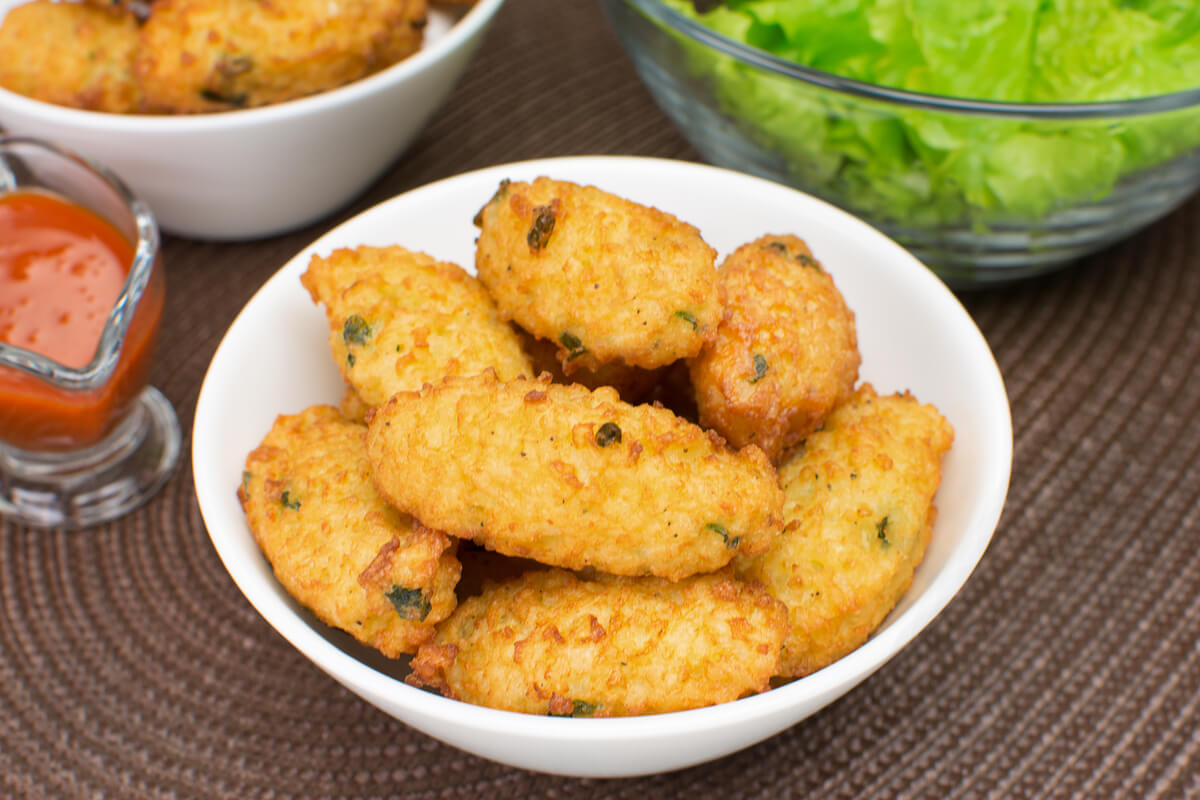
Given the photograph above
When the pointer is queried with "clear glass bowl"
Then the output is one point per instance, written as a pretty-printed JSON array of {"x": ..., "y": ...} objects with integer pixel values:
[
  {"x": 83, "y": 445},
  {"x": 955, "y": 205}
]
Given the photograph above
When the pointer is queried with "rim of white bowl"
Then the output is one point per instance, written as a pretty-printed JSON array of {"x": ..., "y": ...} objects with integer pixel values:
[
  {"x": 472, "y": 22},
  {"x": 843, "y": 675}
]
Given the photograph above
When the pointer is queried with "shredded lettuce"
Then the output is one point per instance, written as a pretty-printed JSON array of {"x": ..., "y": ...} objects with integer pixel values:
[{"x": 922, "y": 168}]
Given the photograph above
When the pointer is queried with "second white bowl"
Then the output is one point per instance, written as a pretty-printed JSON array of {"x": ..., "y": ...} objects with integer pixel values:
[{"x": 262, "y": 171}]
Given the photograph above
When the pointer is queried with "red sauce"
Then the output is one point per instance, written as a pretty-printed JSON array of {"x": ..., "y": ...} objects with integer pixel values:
[{"x": 61, "y": 270}]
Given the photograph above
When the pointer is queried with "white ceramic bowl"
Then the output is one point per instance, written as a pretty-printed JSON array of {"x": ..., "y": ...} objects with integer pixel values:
[
  {"x": 913, "y": 334},
  {"x": 262, "y": 171}
]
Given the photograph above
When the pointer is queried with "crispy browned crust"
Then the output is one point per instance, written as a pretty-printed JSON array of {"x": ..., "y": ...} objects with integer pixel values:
[
  {"x": 605, "y": 278},
  {"x": 70, "y": 54},
  {"x": 551, "y": 643},
  {"x": 859, "y": 514},
  {"x": 785, "y": 353},
  {"x": 219, "y": 55},
  {"x": 399, "y": 319},
  {"x": 333, "y": 542},
  {"x": 572, "y": 477}
]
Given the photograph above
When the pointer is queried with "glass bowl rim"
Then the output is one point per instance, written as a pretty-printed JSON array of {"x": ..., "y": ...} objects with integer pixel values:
[
  {"x": 112, "y": 338},
  {"x": 701, "y": 34}
]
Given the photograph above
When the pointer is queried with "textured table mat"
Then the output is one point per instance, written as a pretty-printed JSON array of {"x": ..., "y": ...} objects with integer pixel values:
[{"x": 1068, "y": 666}]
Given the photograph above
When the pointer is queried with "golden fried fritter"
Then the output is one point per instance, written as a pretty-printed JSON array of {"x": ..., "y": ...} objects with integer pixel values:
[
  {"x": 572, "y": 477},
  {"x": 859, "y": 512},
  {"x": 632, "y": 383},
  {"x": 550, "y": 643},
  {"x": 786, "y": 351},
  {"x": 335, "y": 545},
  {"x": 217, "y": 55},
  {"x": 400, "y": 319},
  {"x": 605, "y": 278},
  {"x": 70, "y": 55}
]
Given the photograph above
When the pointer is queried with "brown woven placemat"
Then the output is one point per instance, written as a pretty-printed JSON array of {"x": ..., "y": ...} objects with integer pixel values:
[{"x": 1069, "y": 665}]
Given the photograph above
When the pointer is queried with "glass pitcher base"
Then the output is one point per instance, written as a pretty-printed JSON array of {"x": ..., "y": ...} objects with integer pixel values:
[{"x": 96, "y": 485}]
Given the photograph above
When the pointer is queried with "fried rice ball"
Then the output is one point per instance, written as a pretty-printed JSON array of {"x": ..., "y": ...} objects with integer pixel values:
[
  {"x": 399, "y": 319},
  {"x": 572, "y": 477},
  {"x": 859, "y": 513},
  {"x": 785, "y": 353},
  {"x": 604, "y": 278},
  {"x": 218, "y": 55},
  {"x": 551, "y": 643},
  {"x": 70, "y": 54},
  {"x": 335, "y": 545}
]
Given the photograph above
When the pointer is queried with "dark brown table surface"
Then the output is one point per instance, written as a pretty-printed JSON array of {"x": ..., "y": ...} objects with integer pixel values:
[{"x": 1068, "y": 666}]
